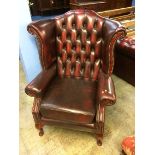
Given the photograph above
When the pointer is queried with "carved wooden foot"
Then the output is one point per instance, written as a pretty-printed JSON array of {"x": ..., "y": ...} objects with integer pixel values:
[
  {"x": 41, "y": 132},
  {"x": 40, "y": 128},
  {"x": 99, "y": 138}
]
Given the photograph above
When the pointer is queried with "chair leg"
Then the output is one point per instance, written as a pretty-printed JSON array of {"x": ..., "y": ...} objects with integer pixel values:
[
  {"x": 100, "y": 116},
  {"x": 41, "y": 132},
  {"x": 40, "y": 128},
  {"x": 99, "y": 138},
  {"x": 37, "y": 116}
]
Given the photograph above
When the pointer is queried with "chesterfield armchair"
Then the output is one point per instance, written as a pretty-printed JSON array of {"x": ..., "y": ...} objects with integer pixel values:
[{"x": 75, "y": 84}]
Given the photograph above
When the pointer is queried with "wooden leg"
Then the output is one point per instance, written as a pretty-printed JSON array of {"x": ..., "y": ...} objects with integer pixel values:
[
  {"x": 41, "y": 132},
  {"x": 40, "y": 128},
  {"x": 37, "y": 116},
  {"x": 99, "y": 138},
  {"x": 100, "y": 125}
]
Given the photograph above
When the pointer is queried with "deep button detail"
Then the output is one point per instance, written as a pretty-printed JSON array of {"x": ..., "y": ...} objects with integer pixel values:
[
  {"x": 92, "y": 57},
  {"x": 83, "y": 47},
  {"x": 95, "y": 25},
  {"x": 68, "y": 36},
  {"x": 84, "y": 25},
  {"x": 73, "y": 25},
  {"x": 68, "y": 56},
  {"x": 73, "y": 47},
  {"x": 79, "y": 45},
  {"x": 63, "y": 25},
  {"x": 78, "y": 36},
  {"x": 87, "y": 58},
  {"x": 77, "y": 57},
  {"x": 64, "y": 46},
  {"x": 88, "y": 37},
  {"x": 64, "y": 56}
]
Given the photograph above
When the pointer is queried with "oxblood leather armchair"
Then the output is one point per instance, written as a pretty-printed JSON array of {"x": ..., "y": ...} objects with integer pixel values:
[{"x": 76, "y": 54}]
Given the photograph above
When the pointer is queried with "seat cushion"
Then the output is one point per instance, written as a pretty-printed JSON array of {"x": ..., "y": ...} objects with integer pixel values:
[{"x": 70, "y": 100}]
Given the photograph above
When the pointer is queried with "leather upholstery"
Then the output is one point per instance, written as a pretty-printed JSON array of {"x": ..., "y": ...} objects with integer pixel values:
[
  {"x": 79, "y": 45},
  {"x": 80, "y": 40},
  {"x": 127, "y": 46},
  {"x": 76, "y": 54},
  {"x": 125, "y": 59},
  {"x": 45, "y": 33},
  {"x": 70, "y": 100},
  {"x": 38, "y": 86},
  {"x": 106, "y": 90}
]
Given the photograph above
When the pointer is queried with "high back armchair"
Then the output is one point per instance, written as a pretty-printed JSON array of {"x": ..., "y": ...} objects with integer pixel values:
[{"x": 75, "y": 84}]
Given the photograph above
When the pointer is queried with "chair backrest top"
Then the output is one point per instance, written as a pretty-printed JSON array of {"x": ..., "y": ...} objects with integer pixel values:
[{"x": 79, "y": 44}]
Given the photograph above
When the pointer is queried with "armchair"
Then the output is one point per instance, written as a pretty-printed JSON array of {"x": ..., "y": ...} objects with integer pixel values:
[{"x": 75, "y": 85}]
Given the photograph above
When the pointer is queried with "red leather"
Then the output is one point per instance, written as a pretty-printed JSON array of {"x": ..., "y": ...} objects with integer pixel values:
[
  {"x": 106, "y": 90},
  {"x": 81, "y": 44},
  {"x": 38, "y": 86},
  {"x": 127, "y": 46},
  {"x": 45, "y": 33},
  {"x": 125, "y": 59},
  {"x": 70, "y": 100},
  {"x": 80, "y": 38}
]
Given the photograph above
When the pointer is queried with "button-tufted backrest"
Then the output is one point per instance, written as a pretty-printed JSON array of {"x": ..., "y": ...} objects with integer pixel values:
[{"x": 79, "y": 44}]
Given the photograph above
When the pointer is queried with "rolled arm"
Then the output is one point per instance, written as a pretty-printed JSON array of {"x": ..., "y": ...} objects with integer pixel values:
[
  {"x": 38, "y": 86},
  {"x": 106, "y": 90}
]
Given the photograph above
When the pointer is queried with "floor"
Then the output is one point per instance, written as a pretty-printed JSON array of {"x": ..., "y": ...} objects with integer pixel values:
[{"x": 119, "y": 123}]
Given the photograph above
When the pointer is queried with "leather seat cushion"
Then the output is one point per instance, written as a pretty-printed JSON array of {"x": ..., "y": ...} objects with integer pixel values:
[
  {"x": 70, "y": 100},
  {"x": 126, "y": 46}
]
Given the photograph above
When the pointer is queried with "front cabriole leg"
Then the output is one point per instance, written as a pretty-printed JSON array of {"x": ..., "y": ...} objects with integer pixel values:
[
  {"x": 99, "y": 125},
  {"x": 37, "y": 116}
]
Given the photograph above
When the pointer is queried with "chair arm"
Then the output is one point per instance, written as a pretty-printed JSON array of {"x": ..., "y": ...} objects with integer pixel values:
[
  {"x": 106, "y": 90},
  {"x": 112, "y": 31},
  {"x": 38, "y": 86}
]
